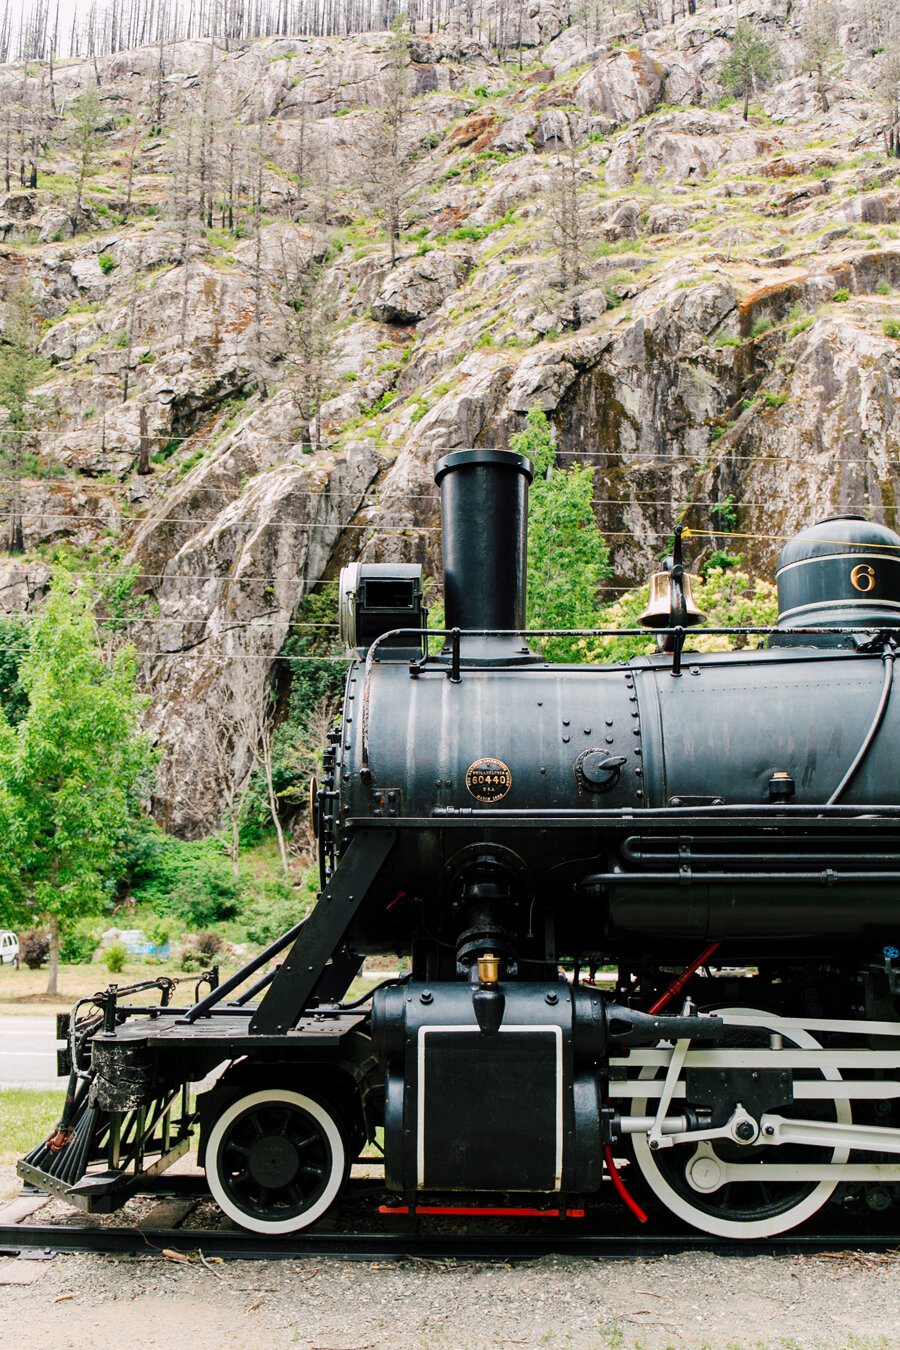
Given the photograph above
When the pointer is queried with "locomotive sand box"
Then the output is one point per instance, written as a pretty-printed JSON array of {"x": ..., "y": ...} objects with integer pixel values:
[{"x": 510, "y": 826}]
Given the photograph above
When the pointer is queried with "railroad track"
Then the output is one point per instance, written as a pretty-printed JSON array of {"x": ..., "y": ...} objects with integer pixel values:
[{"x": 600, "y": 1236}]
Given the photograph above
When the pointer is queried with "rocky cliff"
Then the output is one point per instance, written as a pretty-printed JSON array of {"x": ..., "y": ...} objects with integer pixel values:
[{"x": 726, "y": 356}]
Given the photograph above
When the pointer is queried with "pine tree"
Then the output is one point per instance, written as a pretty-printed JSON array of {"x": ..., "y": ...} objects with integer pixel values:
[
  {"x": 20, "y": 369},
  {"x": 84, "y": 140},
  {"x": 751, "y": 64}
]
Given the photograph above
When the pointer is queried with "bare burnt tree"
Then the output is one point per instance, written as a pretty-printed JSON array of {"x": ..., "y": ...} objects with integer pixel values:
[
  {"x": 821, "y": 53},
  {"x": 236, "y": 734},
  {"x": 311, "y": 296},
  {"x": 388, "y": 156},
  {"x": 887, "y": 86},
  {"x": 567, "y": 220},
  {"x": 259, "y": 279},
  {"x": 129, "y": 326}
]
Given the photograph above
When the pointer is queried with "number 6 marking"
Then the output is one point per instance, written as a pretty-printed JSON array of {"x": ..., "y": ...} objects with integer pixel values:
[{"x": 863, "y": 577}]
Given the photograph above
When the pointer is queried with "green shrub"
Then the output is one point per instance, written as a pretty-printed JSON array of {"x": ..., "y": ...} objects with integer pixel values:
[
  {"x": 159, "y": 932},
  {"x": 277, "y": 911},
  {"x": 775, "y": 400},
  {"x": 801, "y": 326},
  {"x": 762, "y": 325},
  {"x": 841, "y": 295},
  {"x": 721, "y": 560},
  {"x": 34, "y": 948},
  {"x": 79, "y": 944},
  {"x": 891, "y": 328},
  {"x": 480, "y": 91},
  {"x": 883, "y": 288},
  {"x": 190, "y": 879},
  {"x": 189, "y": 957},
  {"x": 727, "y": 342},
  {"x": 107, "y": 263},
  {"x": 209, "y": 945},
  {"x": 114, "y": 958}
]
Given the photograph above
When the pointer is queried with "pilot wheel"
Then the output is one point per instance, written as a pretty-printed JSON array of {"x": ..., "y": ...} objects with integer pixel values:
[{"x": 276, "y": 1160}]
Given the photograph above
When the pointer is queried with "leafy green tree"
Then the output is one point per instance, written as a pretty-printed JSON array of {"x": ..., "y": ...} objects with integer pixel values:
[
  {"x": 20, "y": 370},
  {"x": 71, "y": 771},
  {"x": 729, "y": 599},
  {"x": 567, "y": 555},
  {"x": 751, "y": 64},
  {"x": 13, "y": 646}
]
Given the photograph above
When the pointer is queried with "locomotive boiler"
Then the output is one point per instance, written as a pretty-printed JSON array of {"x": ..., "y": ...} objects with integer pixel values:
[{"x": 718, "y": 830}]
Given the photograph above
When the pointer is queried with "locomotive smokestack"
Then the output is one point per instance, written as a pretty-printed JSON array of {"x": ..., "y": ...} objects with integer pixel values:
[{"x": 484, "y": 509}]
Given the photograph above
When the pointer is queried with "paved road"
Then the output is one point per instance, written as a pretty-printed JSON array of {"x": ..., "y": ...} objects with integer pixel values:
[{"x": 28, "y": 1052}]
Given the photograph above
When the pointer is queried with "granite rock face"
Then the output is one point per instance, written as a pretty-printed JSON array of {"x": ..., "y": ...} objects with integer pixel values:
[
  {"x": 418, "y": 287},
  {"x": 226, "y": 601}
]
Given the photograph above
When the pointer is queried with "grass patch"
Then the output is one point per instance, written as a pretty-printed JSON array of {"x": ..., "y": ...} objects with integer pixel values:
[{"x": 26, "y": 1117}]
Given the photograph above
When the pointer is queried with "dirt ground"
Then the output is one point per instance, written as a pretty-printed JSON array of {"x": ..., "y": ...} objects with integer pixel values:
[
  {"x": 838, "y": 1301},
  {"x": 695, "y": 1300}
]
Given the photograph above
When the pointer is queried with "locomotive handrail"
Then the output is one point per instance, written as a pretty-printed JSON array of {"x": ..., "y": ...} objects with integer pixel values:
[
  {"x": 867, "y": 811},
  {"x": 455, "y": 634}
]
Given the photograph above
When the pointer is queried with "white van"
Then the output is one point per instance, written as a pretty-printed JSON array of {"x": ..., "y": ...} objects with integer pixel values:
[{"x": 9, "y": 948}]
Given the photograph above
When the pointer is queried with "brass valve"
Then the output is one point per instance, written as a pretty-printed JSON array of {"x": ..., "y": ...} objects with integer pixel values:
[{"x": 489, "y": 968}]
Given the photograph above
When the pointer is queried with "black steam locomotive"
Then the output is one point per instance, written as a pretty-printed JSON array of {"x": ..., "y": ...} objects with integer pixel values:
[{"x": 720, "y": 828}]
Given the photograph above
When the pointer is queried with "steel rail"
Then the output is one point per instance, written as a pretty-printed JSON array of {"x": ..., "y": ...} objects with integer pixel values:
[{"x": 560, "y": 1240}]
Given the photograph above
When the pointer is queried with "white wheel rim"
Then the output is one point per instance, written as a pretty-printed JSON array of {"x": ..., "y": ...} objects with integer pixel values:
[
  {"x": 332, "y": 1135},
  {"x": 711, "y": 1223}
]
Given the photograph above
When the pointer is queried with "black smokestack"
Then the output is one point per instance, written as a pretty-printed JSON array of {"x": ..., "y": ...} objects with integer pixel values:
[{"x": 484, "y": 508}]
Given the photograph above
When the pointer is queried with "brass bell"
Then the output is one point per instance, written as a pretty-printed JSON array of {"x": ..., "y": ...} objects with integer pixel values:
[{"x": 658, "y": 613}]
